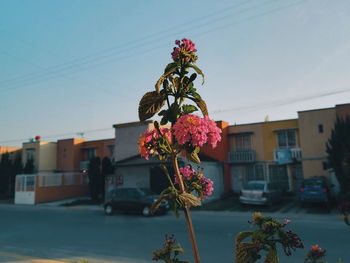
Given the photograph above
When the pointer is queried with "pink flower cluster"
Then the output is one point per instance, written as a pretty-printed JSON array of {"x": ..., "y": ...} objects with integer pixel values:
[
  {"x": 149, "y": 141},
  {"x": 190, "y": 176},
  {"x": 196, "y": 131},
  {"x": 186, "y": 49},
  {"x": 316, "y": 252},
  {"x": 186, "y": 172}
]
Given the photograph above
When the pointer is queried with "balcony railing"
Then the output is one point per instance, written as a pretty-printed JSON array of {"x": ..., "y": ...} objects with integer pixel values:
[
  {"x": 285, "y": 156},
  {"x": 242, "y": 156},
  {"x": 84, "y": 165}
]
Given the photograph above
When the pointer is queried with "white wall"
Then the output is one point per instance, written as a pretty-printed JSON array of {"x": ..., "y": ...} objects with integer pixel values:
[
  {"x": 214, "y": 171},
  {"x": 134, "y": 176},
  {"x": 126, "y": 137}
]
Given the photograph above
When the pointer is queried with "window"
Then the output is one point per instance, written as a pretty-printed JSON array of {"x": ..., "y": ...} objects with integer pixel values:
[
  {"x": 110, "y": 150},
  {"x": 30, "y": 154},
  {"x": 242, "y": 142},
  {"x": 286, "y": 138},
  {"x": 325, "y": 165},
  {"x": 320, "y": 128},
  {"x": 90, "y": 153}
]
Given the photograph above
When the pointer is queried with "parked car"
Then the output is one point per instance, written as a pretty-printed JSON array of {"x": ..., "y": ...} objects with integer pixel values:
[
  {"x": 315, "y": 190},
  {"x": 260, "y": 193},
  {"x": 133, "y": 200}
]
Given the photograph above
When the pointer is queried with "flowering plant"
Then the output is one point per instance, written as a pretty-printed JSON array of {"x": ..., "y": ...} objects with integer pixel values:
[
  {"x": 196, "y": 182},
  {"x": 268, "y": 234},
  {"x": 170, "y": 252},
  {"x": 185, "y": 134},
  {"x": 315, "y": 255}
]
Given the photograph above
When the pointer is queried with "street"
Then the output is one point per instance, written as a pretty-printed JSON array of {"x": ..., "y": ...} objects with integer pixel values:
[{"x": 34, "y": 233}]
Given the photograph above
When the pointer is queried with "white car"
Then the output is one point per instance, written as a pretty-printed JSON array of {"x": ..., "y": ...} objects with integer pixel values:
[{"x": 260, "y": 193}]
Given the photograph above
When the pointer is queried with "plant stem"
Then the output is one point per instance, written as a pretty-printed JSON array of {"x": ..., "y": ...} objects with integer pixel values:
[{"x": 186, "y": 211}]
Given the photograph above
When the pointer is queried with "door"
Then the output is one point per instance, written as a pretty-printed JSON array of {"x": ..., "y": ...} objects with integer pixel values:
[{"x": 25, "y": 189}]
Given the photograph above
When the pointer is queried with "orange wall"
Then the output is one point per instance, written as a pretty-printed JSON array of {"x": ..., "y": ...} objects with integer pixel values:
[
  {"x": 55, "y": 193},
  {"x": 220, "y": 153},
  {"x": 69, "y": 154},
  {"x": 101, "y": 147},
  {"x": 11, "y": 150}
]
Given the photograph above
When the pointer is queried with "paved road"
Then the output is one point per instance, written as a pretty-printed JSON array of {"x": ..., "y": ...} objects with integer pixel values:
[{"x": 66, "y": 234}]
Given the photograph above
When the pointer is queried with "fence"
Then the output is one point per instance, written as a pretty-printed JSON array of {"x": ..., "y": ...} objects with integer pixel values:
[{"x": 46, "y": 187}]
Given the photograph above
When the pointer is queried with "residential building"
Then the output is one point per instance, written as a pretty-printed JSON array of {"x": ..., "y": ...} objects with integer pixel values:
[
  {"x": 315, "y": 130},
  {"x": 265, "y": 151},
  {"x": 134, "y": 171},
  {"x": 43, "y": 154},
  {"x": 73, "y": 155},
  {"x": 12, "y": 151}
]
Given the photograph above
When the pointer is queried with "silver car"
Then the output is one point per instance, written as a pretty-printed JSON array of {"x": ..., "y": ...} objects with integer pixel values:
[{"x": 260, "y": 193}]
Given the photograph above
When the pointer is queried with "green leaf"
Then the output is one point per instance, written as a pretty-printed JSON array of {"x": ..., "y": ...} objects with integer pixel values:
[
  {"x": 193, "y": 77},
  {"x": 243, "y": 235},
  {"x": 202, "y": 105},
  {"x": 164, "y": 121},
  {"x": 187, "y": 109},
  {"x": 170, "y": 68},
  {"x": 192, "y": 155},
  {"x": 150, "y": 104},
  {"x": 198, "y": 70},
  {"x": 271, "y": 256}
]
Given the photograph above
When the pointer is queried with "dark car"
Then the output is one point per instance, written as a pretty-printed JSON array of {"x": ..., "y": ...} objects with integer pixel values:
[
  {"x": 315, "y": 190},
  {"x": 133, "y": 200}
]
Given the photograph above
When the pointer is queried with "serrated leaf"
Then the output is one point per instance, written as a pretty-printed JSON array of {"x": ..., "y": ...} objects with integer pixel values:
[
  {"x": 271, "y": 256},
  {"x": 198, "y": 70},
  {"x": 150, "y": 104},
  {"x": 244, "y": 253},
  {"x": 170, "y": 68},
  {"x": 193, "y": 156},
  {"x": 203, "y": 106},
  {"x": 187, "y": 109},
  {"x": 243, "y": 235}
]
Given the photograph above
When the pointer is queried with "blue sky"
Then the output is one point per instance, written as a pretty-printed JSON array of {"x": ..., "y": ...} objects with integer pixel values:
[{"x": 82, "y": 66}]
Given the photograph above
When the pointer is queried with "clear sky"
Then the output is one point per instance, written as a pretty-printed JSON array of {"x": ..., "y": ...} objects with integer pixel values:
[{"x": 81, "y": 66}]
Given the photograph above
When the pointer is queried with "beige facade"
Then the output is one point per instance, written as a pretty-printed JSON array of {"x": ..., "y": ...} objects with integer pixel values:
[
  {"x": 253, "y": 132},
  {"x": 44, "y": 155},
  {"x": 315, "y": 127}
]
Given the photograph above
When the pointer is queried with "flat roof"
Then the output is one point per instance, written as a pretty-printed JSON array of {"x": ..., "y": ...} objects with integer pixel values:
[
  {"x": 253, "y": 123},
  {"x": 128, "y": 124},
  {"x": 316, "y": 109}
]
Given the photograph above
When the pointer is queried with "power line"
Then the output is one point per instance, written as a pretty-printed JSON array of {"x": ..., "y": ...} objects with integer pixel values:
[
  {"x": 60, "y": 135},
  {"x": 112, "y": 49},
  {"x": 45, "y": 76},
  {"x": 271, "y": 104},
  {"x": 281, "y": 102}
]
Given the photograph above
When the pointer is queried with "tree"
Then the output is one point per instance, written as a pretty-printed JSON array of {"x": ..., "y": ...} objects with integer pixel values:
[
  {"x": 106, "y": 169},
  {"x": 29, "y": 166},
  {"x": 338, "y": 150},
  {"x": 94, "y": 173},
  {"x": 17, "y": 168},
  {"x": 5, "y": 171}
]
